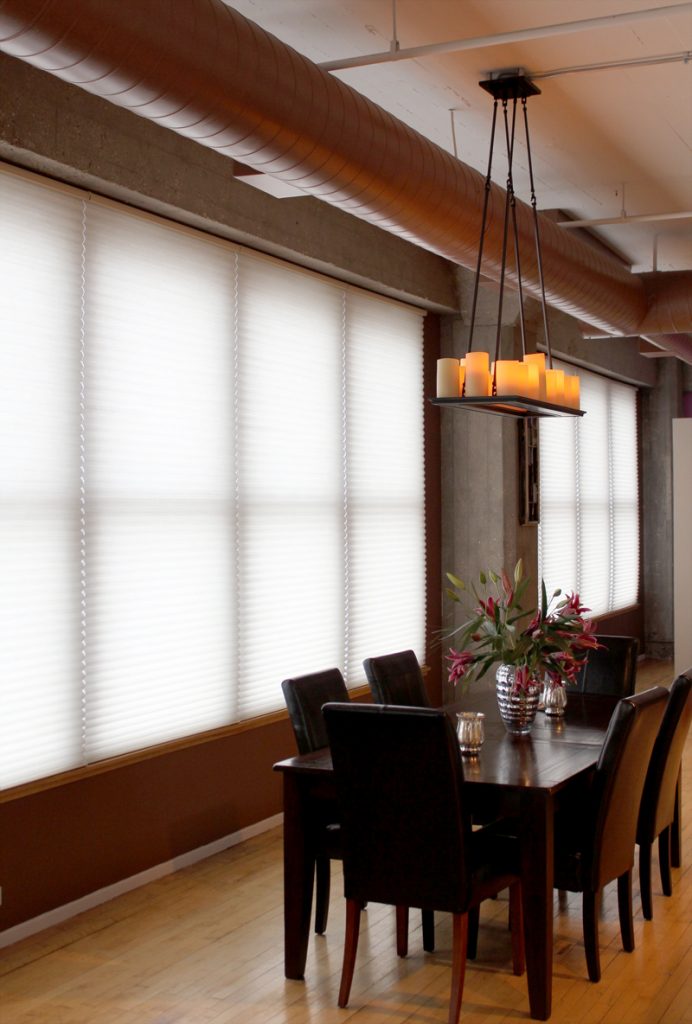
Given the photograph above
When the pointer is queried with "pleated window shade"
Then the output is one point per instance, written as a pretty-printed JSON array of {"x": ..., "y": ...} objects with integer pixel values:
[
  {"x": 212, "y": 479},
  {"x": 589, "y": 497}
]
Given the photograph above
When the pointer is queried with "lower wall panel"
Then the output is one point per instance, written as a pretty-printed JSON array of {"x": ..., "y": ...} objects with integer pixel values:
[{"x": 59, "y": 844}]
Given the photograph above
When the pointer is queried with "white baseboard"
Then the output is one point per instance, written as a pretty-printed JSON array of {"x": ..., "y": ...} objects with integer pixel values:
[{"x": 109, "y": 892}]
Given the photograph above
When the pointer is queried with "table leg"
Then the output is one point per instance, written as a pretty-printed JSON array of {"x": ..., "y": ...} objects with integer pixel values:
[
  {"x": 299, "y": 873},
  {"x": 537, "y": 898}
]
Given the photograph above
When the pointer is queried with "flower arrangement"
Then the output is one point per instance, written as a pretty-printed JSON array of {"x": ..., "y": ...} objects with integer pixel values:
[{"x": 547, "y": 644}]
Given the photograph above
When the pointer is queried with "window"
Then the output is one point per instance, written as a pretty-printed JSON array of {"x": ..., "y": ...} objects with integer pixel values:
[
  {"x": 212, "y": 478},
  {"x": 589, "y": 530}
]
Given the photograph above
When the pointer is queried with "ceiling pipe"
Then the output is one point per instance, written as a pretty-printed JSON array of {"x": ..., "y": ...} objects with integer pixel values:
[
  {"x": 516, "y": 36},
  {"x": 202, "y": 70}
]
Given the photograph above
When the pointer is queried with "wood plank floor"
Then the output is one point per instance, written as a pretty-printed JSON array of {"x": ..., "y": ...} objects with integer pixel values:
[{"x": 204, "y": 946}]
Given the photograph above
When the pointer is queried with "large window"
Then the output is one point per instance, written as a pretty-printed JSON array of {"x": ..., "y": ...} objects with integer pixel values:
[
  {"x": 589, "y": 519},
  {"x": 212, "y": 478}
]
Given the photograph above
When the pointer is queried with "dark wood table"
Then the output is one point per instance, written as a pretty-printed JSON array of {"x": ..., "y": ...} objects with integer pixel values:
[{"x": 527, "y": 774}]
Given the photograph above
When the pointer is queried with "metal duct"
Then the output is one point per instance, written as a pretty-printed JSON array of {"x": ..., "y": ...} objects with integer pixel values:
[{"x": 200, "y": 69}]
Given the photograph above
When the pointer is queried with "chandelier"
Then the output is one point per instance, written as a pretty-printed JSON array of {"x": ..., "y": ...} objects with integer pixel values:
[{"x": 524, "y": 387}]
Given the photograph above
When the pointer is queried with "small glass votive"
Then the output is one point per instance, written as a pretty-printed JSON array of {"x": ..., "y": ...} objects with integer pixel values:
[
  {"x": 471, "y": 732},
  {"x": 555, "y": 700}
]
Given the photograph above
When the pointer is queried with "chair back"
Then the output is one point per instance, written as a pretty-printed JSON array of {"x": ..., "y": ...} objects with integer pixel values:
[
  {"x": 619, "y": 782},
  {"x": 611, "y": 669},
  {"x": 397, "y": 679},
  {"x": 658, "y": 801},
  {"x": 405, "y": 830},
  {"x": 304, "y": 696}
]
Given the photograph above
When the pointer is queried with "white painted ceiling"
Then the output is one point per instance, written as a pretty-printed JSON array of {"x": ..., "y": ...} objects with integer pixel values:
[{"x": 603, "y": 141}]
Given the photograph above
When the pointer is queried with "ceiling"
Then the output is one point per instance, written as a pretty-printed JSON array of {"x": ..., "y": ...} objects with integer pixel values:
[{"x": 603, "y": 141}]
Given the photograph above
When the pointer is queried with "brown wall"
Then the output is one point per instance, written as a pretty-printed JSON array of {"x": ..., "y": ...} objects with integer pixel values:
[{"x": 62, "y": 843}]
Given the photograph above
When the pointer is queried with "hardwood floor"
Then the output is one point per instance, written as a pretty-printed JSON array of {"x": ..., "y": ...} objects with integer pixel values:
[{"x": 205, "y": 946}]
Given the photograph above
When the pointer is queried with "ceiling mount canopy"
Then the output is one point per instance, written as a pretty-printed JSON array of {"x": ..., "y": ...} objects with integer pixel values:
[{"x": 509, "y": 387}]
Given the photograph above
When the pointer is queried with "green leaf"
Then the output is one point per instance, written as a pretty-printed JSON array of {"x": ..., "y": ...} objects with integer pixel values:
[
  {"x": 483, "y": 578},
  {"x": 493, "y": 576},
  {"x": 544, "y": 599},
  {"x": 456, "y": 581},
  {"x": 451, "y": 593}
]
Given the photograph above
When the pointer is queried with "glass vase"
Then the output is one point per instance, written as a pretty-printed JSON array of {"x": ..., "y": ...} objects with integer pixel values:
[{"x": 517, "y": 707}]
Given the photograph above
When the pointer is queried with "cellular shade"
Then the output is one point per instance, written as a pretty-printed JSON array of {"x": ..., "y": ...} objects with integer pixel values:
[
  {"x": 212, "y": 468},
  {"x": 589, "y": 529}
]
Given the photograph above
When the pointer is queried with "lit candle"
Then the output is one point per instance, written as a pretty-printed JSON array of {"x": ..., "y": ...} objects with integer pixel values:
[
  {"x": 478, "y": 381},
  {"x": 506, "y": 376},
  {"x": 538, "y": 359},
  {"x": 522, "y": 378},
  {"x": 572, "y": 391},
  {"x": 533, "y": 388},
  {"x": 447, "y": 378},
  {"x": 555, "y": 386}
]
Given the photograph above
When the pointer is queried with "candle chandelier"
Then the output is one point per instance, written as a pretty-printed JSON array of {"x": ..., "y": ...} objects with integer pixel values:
[{"x": 530, "y": 386}]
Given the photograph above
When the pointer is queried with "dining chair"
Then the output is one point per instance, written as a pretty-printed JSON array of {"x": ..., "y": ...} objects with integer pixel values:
[
  {"x": 657, "y": 810},
  {"x": 304, "y": 696},
  {"x": 611, "y": 669},
  {"x": 595, "y": 836},
  {"x": 397, "y": 679},
  {"x": 407, "y": 836}
]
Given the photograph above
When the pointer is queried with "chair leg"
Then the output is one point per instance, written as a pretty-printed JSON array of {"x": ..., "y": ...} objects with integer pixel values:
[
  {"x": 459, "y": 945},
  {"x": 473, "y": 915},
  {"x": 625, "y": 911},
  {"x": 350, "y": 949},
  {"x": 428, "y": 922},
  {"x": 516, "y": 917},
  {"x": 664, "y": 861},
  {"x": 645, "y": 880},
  {"x": 401, "y": 931},
  {"x": 322, "y": 885},
  {"x": 590, "y": 905}
]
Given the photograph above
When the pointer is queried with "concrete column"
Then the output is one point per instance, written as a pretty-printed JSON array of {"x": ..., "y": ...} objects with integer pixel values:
[{"x": 659, "y": 406}]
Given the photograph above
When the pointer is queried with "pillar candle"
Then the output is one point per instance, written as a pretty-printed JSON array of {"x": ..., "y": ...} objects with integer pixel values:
[
  {"x": 538, "y": 359},
  {"x": 462, "y": 375},
  {"x": 521, "y": 374},
  {"x": 555, "y": 386},
  {"x": 447, "y": 378},
  {"x": 506, "y": 376},
  {"x": 572, "y": 391},
  {"x": 533, "y": 388},
  {"x": 478, "y": 381}
]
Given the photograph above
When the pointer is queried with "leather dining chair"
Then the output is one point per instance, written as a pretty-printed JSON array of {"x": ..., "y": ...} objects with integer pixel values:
[
  {"x": 304, "y": 696},
  {"x": 397, "y": 679},
  {"x": 407, "y": 836},
  {"x": 595, "y": 837},
  {"x": 657, "y": 810},
  {"x": 612, "y": 668}
]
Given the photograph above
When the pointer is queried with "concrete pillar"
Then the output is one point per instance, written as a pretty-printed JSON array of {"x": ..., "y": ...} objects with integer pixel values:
[{"x": 659, "y": 406}]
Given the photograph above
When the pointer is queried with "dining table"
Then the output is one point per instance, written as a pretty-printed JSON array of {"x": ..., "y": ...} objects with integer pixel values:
[{"x": 524, "y": 776}]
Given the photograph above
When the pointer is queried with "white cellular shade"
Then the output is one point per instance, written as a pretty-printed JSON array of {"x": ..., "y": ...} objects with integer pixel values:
[
  {"x": 384, "y": 471},
  {"x": 589, "y": 530},
  {"x": 594, "y": 495},
  {"x": 559, "y": 529},
  {"x": 211, "y": 478},
  {"x": 290, "y": 480},
  {"x": 159, "y": 483},
  {"x": 40, "y": 291}
]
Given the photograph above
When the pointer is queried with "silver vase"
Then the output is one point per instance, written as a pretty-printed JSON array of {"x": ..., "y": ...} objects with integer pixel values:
[
  {"x": 555, "y": 700},
  {"x": 517, "y": 710}
]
